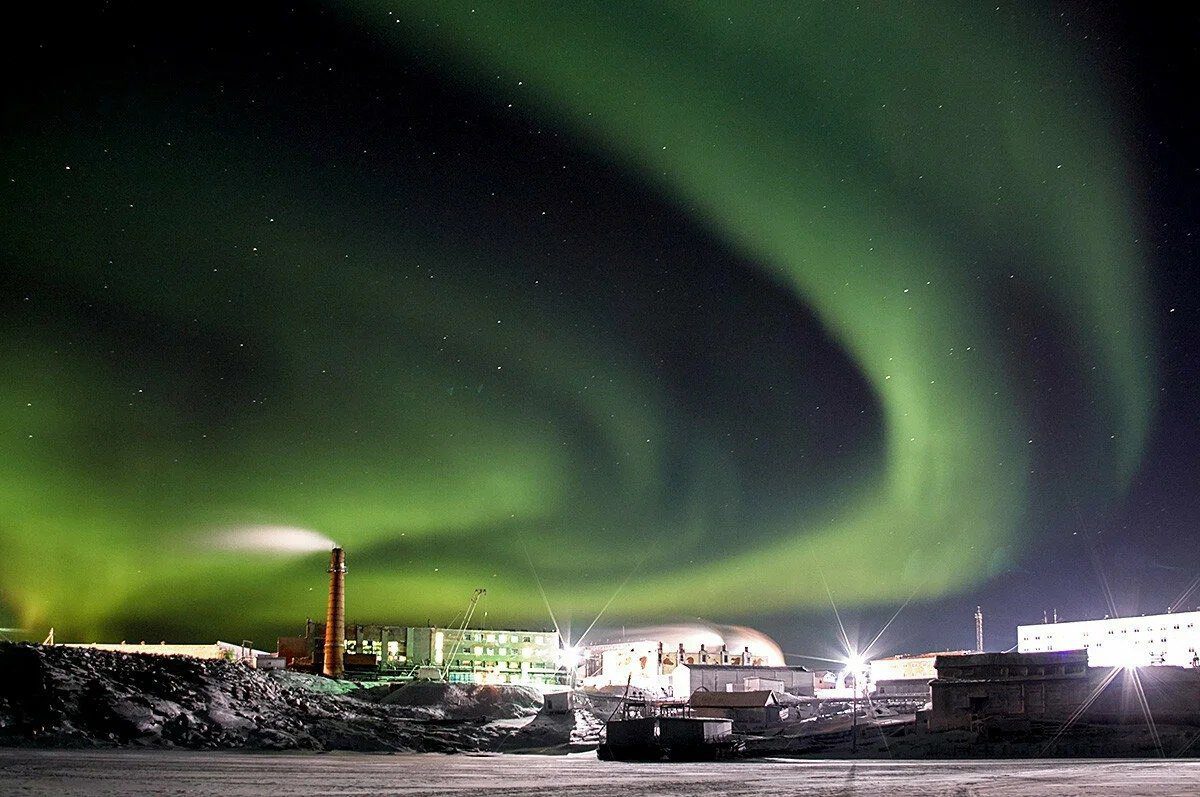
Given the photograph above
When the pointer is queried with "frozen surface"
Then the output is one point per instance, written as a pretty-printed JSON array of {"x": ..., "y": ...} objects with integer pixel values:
[{"x": 110, "y": 772}]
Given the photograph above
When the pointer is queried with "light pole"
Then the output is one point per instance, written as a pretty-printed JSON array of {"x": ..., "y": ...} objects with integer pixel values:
[
  {"x": 856, "y": 666},
  {"x": 854, "y": 719}
]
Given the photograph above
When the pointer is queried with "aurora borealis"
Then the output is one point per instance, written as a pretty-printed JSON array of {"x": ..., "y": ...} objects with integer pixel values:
[{"x": 688, "y": 308}]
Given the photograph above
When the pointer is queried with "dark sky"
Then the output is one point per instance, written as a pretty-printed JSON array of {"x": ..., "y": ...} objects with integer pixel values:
[{"x": 668, "y": 311}]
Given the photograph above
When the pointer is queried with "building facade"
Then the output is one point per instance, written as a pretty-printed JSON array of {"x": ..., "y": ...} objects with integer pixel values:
[
  {"x": 690, "y": 678},
  {"x": 975, "y": 687},
  {"x": 1056, "y": 686},
  {"x": 483, "y": 656},
  {"x": 1149, "y": 640},
  {"x": 661, "y": 670},
  {"x": 906, "y": 675}
]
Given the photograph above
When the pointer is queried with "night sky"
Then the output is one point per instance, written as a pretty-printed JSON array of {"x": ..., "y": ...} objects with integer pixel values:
[{"x": 671, "y": 310}]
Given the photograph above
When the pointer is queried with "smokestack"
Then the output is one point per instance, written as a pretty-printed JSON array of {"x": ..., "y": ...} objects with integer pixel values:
[
  {"x": 335, "y": 618},
  {"x": 979, "y": 629}
]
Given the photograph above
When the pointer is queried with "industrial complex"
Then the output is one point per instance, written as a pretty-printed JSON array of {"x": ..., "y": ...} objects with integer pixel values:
[{"x": 739, "y": 683}]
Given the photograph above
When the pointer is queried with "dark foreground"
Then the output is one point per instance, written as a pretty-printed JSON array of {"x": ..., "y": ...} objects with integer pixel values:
[{"x": 112, "y": 772}]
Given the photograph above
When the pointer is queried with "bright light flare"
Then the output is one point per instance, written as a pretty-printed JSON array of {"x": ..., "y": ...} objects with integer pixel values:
[{"x": 570, "y": 657}]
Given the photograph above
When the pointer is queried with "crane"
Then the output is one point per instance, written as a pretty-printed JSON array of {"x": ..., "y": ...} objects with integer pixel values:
[{"x": 462, "y": 629}]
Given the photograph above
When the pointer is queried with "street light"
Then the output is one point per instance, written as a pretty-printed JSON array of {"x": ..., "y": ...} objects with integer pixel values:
[{"x": 856, "y": 666}]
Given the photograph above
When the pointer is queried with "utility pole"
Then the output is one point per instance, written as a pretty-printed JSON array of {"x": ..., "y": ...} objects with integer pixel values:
[
  {"x": 854, "y": 718},
  {"x": 979, "y": 629}
]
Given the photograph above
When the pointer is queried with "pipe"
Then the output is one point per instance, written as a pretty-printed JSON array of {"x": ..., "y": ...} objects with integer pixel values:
[{"x": 335, "y": 617}]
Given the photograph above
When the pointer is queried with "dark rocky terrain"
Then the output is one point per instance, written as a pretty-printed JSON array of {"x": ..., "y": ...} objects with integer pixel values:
[{"x": 73, "y": 697}]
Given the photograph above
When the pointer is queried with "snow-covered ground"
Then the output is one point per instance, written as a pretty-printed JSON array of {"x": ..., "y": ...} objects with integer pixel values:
[{"x": 120, "y": 772}]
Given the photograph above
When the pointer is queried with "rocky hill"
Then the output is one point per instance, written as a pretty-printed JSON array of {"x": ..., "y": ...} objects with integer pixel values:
[{"x": 74, "y": 697}]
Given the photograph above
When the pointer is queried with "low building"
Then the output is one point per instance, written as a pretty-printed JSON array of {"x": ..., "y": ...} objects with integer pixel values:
[
  {"x": 749, "y": 711},
  {"x": 657, "y": 668},
  {"x": 1148, "y": 640},
  {"x": 222, "y": 651},
  {"x": 977, "y": 686},
  {"x": 1055, "y": 686},
  {"x": 793, "y": 680},
  {"x": 906, "y": 675}
]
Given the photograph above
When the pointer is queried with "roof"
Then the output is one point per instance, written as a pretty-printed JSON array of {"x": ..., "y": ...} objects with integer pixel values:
[
  {"x": 756, "y": 699},
  {"x": 1033, "y": 658},
  {"x": 756, "y": 667},
  {"x": 931, "y": 655}
]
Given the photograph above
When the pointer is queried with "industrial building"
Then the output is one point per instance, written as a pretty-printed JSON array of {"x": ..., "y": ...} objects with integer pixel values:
[
  {"x": 535, "y": 657},
  {"x": 689, "y": 678},
  {"x": 906, "y": 675},
  {"x": 1148, "y": 640},
  {"x": 515, "y": 656},
  {"x": 980, "y": 685},
  {"x": 532, "y": 657},
  {"x": 657, "y": 668},
  {"x": 1056, "y": 686}
]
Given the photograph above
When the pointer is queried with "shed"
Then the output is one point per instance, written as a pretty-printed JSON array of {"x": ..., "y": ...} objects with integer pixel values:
[{"x": 748, "y": 710}]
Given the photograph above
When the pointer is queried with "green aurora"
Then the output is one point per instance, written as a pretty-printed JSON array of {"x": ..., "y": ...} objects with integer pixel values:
[{"x": 255, "y": 353}]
